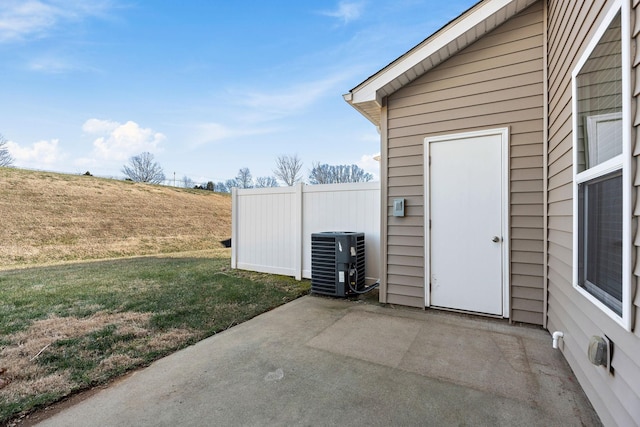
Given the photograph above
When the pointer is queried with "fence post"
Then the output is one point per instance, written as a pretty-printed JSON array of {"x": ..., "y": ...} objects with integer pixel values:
[
  {"x": 234, "y": 227},
  {"x": 298, "y": 230}
]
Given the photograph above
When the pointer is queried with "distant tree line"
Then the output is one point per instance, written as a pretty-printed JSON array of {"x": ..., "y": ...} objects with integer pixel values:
[
  {"x": 243, "y": 179},
  {"x": 337, "y": 174},
  {"x": 287, "y": 172},
  {"x": 143, "y": 168}
]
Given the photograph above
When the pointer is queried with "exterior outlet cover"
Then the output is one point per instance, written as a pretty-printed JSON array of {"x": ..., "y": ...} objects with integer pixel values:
[
  {"x": 398, "y": 207},
  {"x": 598, "y": 351}
]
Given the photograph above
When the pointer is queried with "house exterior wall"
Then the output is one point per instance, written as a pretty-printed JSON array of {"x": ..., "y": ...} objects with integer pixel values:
[
  {"x": 616, "y": 398},
  {"x": 494, "y": 83}
]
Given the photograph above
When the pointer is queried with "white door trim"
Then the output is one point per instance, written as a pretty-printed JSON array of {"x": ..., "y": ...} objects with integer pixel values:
[{"x": 504, "y": 134}]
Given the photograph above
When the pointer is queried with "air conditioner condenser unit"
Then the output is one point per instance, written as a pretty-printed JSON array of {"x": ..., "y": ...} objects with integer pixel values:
[{"x": 337, "y": 263}]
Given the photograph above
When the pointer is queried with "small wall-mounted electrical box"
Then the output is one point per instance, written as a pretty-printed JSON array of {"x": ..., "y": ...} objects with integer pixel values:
[
  {"x": 398, "y": 207},
  {"x": 600, "y": 352}
]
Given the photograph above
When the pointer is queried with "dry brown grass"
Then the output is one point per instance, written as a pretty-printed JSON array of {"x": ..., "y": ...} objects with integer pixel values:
[
  {"x": 49, "y": 217},
  {"x": 24, "y": 376}
]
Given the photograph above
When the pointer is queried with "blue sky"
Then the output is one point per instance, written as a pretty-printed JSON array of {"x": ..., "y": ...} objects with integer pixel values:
[{"x": 207, "y": 86}]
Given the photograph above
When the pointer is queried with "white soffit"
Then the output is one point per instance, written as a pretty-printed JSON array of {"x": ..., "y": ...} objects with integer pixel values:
[{"x": 443, "y": 44}]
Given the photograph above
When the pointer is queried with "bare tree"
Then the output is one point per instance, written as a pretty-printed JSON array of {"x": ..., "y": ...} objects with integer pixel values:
[
  {"x": 288, "y": 169},
  {"x": 143, "y": 168},
  {"x": 244, "y": 178},
  {"x": 5, "y": 157},
  {"x": 336, "y": 174},
  {"x": 354, "y": 173},
  {"x": 231, "y": 183},
  {"x": 221, "y": 187},
  {"x": 320, "y": 174},
  {"x": 187, "y": 182},
  {"x": 266, "y": 181}
]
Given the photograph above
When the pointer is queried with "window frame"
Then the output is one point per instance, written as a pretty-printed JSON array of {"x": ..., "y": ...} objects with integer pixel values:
[{"x": 620, "y": 162}]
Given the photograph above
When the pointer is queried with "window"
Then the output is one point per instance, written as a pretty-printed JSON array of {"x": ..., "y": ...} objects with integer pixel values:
[
  {"x": 600, "y": 239},
  {"x": 601, "y": 228}
]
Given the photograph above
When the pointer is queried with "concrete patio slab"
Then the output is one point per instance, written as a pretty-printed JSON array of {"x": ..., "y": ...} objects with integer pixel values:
[{"x": 321, "y": 361}]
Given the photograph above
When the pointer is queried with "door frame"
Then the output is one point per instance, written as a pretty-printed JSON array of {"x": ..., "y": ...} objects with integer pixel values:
[{"x": 505, "y": 209}]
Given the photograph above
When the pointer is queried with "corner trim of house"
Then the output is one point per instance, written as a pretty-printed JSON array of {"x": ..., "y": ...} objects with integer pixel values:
[{"x": 384, "y": 157}]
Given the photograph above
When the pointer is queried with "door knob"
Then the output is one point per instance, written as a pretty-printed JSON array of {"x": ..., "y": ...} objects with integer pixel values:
[{"x": 496, "y": 239}]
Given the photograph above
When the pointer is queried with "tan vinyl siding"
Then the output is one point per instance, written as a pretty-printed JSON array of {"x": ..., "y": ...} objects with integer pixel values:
[
  {"x": 615, "y": 398},
  {"x": 494, "y": 83}
]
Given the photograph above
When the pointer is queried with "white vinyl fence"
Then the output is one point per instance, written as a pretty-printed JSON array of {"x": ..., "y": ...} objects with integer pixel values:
[{"x": 272, "y": 227}]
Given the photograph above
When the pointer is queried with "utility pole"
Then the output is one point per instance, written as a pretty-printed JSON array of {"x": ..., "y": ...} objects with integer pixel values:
[{"x": 174, "y": 179}]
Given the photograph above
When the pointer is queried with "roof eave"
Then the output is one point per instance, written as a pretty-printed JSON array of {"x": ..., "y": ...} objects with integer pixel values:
[
  {"x": 444, "y": 43},
  {"x": 370, "y": 110}
]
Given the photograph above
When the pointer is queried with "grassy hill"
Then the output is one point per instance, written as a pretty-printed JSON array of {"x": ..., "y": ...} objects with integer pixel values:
[{"x": 49, "y": 217}]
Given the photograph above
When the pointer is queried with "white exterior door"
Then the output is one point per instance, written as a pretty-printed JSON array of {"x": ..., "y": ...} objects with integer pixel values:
[{"x": 466, "y": 225}]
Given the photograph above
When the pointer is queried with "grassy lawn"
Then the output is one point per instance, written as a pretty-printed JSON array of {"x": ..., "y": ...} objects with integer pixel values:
[{"x": 69, "y": 327}]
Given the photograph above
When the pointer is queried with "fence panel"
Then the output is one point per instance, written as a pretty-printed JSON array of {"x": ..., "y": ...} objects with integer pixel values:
[{"x": 272, "y": 227}]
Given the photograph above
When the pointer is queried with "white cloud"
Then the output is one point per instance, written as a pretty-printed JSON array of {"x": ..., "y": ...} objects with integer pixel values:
[
  {"x": 370, "y": 164},
  {"x": 50, "y": 65},
  {"x": 296, "y": 98},
  {"x": 20, "y": 19},
  {"x": 55, "y": 63},
  {"x": 94, "y": 126},
  {"x": 209, "y": 132},
  {"x": 213, "y": 132},
  {"x": 346, "y": 11},
  {"x": 41, "y": 154},
  {"x": 119, "y": 141}
]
